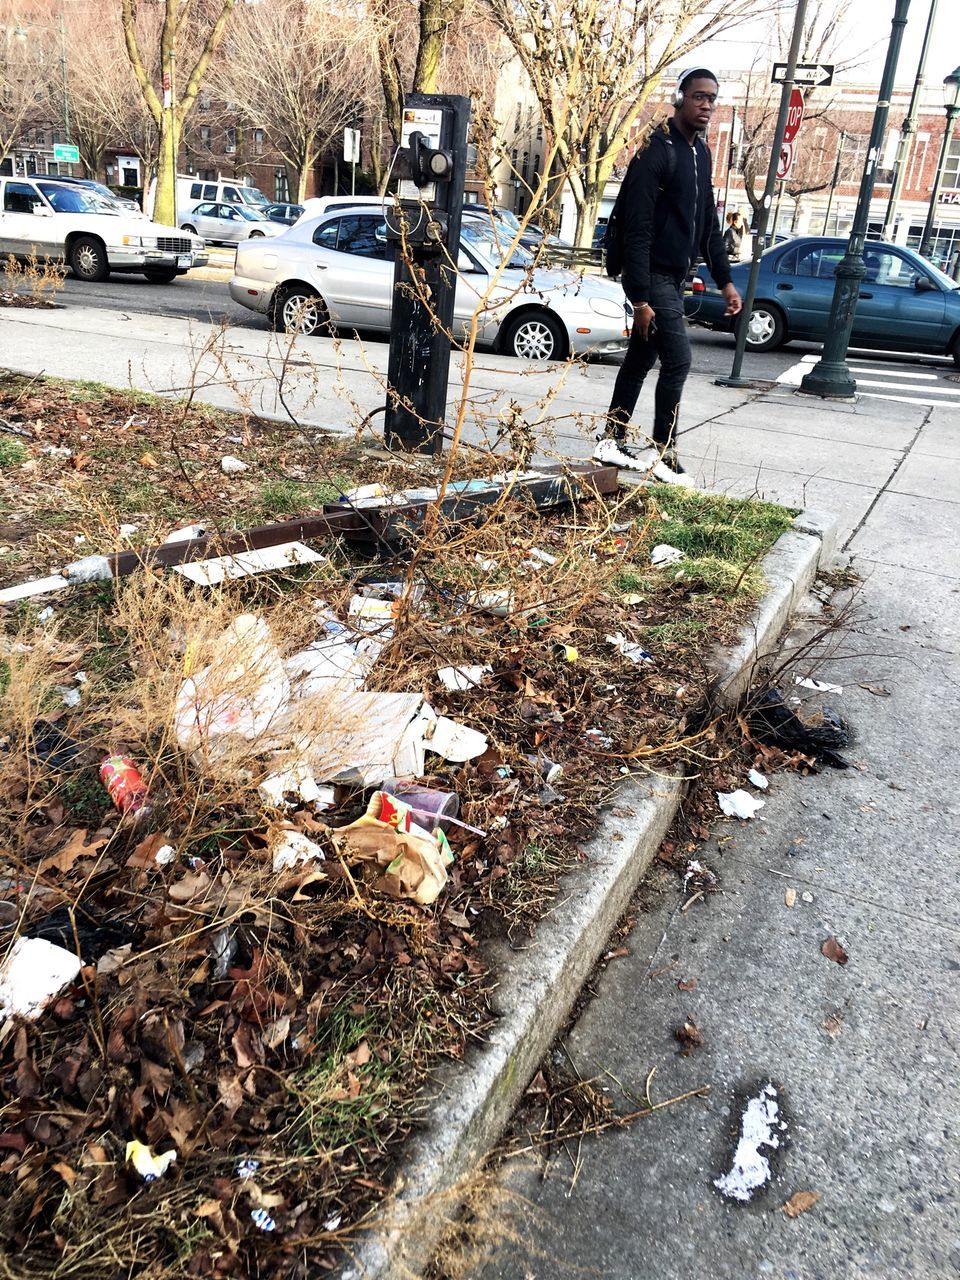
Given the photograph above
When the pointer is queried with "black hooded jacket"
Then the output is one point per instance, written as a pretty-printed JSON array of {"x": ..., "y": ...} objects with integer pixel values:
[{"x": 669, "y": 215}]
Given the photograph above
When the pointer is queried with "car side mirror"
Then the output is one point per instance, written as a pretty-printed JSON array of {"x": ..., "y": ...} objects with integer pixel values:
[{"x": 924, "y": 284}]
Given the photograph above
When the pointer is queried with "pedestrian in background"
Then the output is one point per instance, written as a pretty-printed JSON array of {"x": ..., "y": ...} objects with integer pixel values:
[
  {"x": 669, "y": 220},
  {"x": 733, "y": 236}
]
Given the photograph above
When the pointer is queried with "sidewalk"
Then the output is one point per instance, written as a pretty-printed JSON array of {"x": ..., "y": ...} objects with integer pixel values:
[{"x": 865, "y": 1054}]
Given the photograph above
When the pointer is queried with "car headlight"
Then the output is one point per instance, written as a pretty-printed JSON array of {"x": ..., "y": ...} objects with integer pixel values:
[
  {"x": 135, "y": 242},
  {"x": 606, "y": 307}
]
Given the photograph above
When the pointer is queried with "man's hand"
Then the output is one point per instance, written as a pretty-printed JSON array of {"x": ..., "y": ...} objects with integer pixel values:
[
  {"x": 644, "y": 316},
  {"x": 734, "y": 305}
]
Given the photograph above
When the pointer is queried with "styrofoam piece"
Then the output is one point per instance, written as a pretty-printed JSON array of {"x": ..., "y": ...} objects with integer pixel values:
[
  {"x": 739, "y": 803},
  {"x": 35, "y": 587},
  {"x": 33, "y": 972},
  {"x": 457, "y": 679},
  {"x": 210, "y": 573},
  {"x": 293, "y": 848}
]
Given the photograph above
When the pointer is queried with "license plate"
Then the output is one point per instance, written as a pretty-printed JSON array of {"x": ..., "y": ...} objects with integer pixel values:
[{"x": 185, "y": 260}]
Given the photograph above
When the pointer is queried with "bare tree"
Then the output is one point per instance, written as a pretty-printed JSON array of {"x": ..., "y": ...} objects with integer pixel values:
[
  {"x": 27, "y": 52},
  {"x": 813, "y": 170},
  {"x": 300, "y": 70},
  {"x": 185, "y": 34},
  {"x": 410, "y": 36},
  {"x": 593, "y": 65}
]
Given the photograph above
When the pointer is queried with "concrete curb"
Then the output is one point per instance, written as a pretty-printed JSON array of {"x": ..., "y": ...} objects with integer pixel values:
[{"x": 538, "y": 986}]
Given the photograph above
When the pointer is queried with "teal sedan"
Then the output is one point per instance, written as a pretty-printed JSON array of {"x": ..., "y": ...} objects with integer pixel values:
[{"x": 905, "y": 304}]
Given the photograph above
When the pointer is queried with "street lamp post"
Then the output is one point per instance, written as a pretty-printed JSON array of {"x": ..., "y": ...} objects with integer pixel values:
[
  {"x": 836, "y": 180},
  {"x": 909, "y": 128},
  {"x": 831, "y": 376},
  {"x": 951, "y": 98}
]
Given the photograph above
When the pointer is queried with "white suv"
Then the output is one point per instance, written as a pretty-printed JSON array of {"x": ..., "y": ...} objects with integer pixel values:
[{"x": 62, "y": 221}]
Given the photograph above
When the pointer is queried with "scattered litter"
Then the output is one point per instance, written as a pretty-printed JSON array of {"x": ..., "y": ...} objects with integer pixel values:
[
  {"x": 262, "y": 1220},
  {"x": 800, "y": 1202},
  {"x": 292, "y": 848},
  {"x": 50, "y": 744},
  {"x": 760, "y": 1126},
  {"x": 549, "y": 770},
  {"x": 57, "y": 451},
  {"x": 89, "y": 569},
  {"x": 833, "y": 950},
  {"x": 149, "y": 1166},
  {"x": 568, "y": 652},
  {"x": 458, "y": 679},
  {"x": 223, "y": 948},
  {"x": 189, "y": 533},
  {"x": 790, "y": 896},
  {"x": 664, "y": 554},
  {"x": 210, "y": 573},
  {"x": 32, "y": 973},
  {"x": 127, "y": 530},
  {"x": 413, "y": 862},
  {"x": 124, "y": 783},
  {"x": 433, "y": 808},
  {"x": 758, "y": 779},
  {"x": 698, "y": 877},
  {"x": 164, "y": 855},
  {"x": 247, "y": 1168},
  {"x": 455, "y": 742},
  {"x": 690, "y": 1037},
  {"x": 773, "y": 723},
  {"x": 35, "y": 587},
  {"x": 599, "y": 738},
  {"x": 332, "y": 1223},
  {"x": 541, "y": 557},
  {"x": 631, "y": 598},
  {"x": 633, "y": 652},
  {"x": 807, "y": 897},
  {"x": 71, "y": 697},
  {"x": 739, "y": 804},
  {"x": 46, "y": 614},
  {"x": 295, "y": 782},
  {"x": 820, "y": 686},
  {"x": 231, "y": 466},
  {"x": 369, "y": 614}
]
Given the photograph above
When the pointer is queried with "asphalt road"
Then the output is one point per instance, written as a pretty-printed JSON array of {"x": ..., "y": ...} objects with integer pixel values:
[{"x": 209, "y": 301}]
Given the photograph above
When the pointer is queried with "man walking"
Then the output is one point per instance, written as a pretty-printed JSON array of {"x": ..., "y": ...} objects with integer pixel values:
[{"x": 669, "y": 220}]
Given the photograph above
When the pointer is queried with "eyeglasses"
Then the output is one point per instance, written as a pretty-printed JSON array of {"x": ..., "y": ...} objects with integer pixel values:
[{"x": 704, "y": 97}]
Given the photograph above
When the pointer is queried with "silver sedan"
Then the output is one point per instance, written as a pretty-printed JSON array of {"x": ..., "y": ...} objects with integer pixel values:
[
  {"x": 229, "y": 223},
  {"x": 338, "y": 269}
]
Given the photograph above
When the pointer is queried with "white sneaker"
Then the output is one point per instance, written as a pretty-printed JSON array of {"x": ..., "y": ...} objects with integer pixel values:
[
  {"x": 613, "y": 453},
  {"x": 666, "y": 475}
]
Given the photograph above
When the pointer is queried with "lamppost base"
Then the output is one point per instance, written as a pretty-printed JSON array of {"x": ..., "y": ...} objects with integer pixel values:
[{"x": 829, "y": 378}]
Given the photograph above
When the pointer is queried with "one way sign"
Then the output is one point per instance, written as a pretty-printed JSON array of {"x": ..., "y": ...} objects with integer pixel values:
[{"x": 814, "y": 74}]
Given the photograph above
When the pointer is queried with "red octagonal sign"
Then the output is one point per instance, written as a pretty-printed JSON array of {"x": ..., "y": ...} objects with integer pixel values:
[{"x": 794, "y": 116}]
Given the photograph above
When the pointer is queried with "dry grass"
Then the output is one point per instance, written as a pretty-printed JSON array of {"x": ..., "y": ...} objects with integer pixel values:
[{"x": 30, "y": 282}]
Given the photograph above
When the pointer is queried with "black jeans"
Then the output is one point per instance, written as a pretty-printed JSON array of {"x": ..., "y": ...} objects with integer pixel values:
[{"x": 671, "y": 343}]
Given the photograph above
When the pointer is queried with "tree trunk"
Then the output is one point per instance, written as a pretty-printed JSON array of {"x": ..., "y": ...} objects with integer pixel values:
[
  {"x": 165, "y": 205},
  {"x": 435, "y": 18},
  {"x": 303, "y": 171},
  {"x": 587, "y": 212}
]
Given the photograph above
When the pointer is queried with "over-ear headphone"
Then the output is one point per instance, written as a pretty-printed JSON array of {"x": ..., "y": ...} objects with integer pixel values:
[{"x": 686, "y": 75}]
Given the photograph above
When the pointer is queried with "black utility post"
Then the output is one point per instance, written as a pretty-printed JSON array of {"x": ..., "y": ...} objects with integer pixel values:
[
  {"x": 830, "y": 376},
  {"x": 432, "y": 160},
  {"x": 836, "y": 180},
  {"x": 908, "y": 130},
  {"x": 951, "y": 98},
  {"x": 759, "y": 240}
]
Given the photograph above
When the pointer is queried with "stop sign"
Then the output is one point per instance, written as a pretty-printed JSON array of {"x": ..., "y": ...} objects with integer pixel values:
[{"x": 794, "y": 116}]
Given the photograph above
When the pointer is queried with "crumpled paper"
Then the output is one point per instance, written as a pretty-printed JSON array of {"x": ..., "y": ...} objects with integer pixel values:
[{"x": 413, "y": 861}]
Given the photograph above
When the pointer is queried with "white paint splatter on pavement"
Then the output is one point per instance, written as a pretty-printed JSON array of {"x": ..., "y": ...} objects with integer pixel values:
[{"x": 761, "y": 1126}]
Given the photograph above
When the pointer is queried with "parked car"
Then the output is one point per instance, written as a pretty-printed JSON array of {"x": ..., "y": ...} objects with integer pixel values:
[
  {"x": 228, "y": 223},
  {"x": 109, "y": 197},
  {"x": 507, "y": 225},
  {"x": 285, "y": 213},
  {"x": 905, "y": 303},
  {"x": 339, "y": 268},
  {"x": 61, "y": 221},
  {"x": 190, "y": 191}
]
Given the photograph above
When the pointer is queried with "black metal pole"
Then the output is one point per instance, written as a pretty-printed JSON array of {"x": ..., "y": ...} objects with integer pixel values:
[
  {"x": 424, "y": 286},
  {"x": 830, "y": 376},
  {"x": 730, "y": 154},
  {"x": 927, "y": 237},
  {"x": 735, "y": 380},
  {"x": 836, "y": 179},
  {"x": 909, "y": 128}
]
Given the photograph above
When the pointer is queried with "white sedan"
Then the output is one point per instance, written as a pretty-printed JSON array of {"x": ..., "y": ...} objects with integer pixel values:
[
  {"x": 60, "y": 221},
  {"x": 338, "y": 269}
]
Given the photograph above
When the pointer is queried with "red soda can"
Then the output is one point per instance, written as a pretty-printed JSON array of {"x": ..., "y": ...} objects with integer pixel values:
[{"x": 123, "y": 782}]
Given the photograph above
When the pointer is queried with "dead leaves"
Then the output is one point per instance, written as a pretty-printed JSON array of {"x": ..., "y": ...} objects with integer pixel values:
[
  {"x": 789, "y": 897},
  {"x": 689, "y": 1036},
  {"x": 76, "y": 847},
  {"x": 833, "y": 950},
  {"x": 800, "y": 1202}
]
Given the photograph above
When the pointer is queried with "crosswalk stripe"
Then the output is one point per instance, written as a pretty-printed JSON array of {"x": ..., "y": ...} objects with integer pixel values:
[{"x": 894, "y": 386}]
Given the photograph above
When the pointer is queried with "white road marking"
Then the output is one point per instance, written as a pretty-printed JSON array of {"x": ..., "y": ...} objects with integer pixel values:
[{"x": 898, "y": 386}]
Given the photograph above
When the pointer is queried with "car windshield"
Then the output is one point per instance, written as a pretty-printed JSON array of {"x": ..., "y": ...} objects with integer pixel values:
[
  {"x": 75, "y": 199},
  {"x": 492, "y": 246},
  {"x": 941, "y": 277},
  {"x": 250, "y": 195}
]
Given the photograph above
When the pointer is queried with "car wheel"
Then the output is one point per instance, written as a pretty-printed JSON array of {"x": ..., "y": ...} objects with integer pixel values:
[
  {"x": 88, "y": 259},
  {"x": 955, "y": 350},
  {"x": 161, "y": 277},
  {"x": 187, "y": 227},
  {"x": 537, "y": 335},
  {"x": 766, "y": 329},
  {"x": 297, "y": 309},
  {"x": 256, "y": 235}
]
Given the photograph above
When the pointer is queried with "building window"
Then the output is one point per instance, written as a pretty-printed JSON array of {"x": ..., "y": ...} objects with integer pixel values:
[
  {"x": 951, "y": 165},
  {"x": 40, "y": 137},
  {"x": 203, "y": 101},
  {"x": 281, "y": 188},
  {"x": 53, "y": 169},
  {"x": 206, "y": 136},
  {"x": 258, "y": 142},
  {"x": 918, "y": 158},
  {"x": 55, "y": 138},
  {"x": 540, "y": 131},
  {"x": 230, "y": 146}
]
